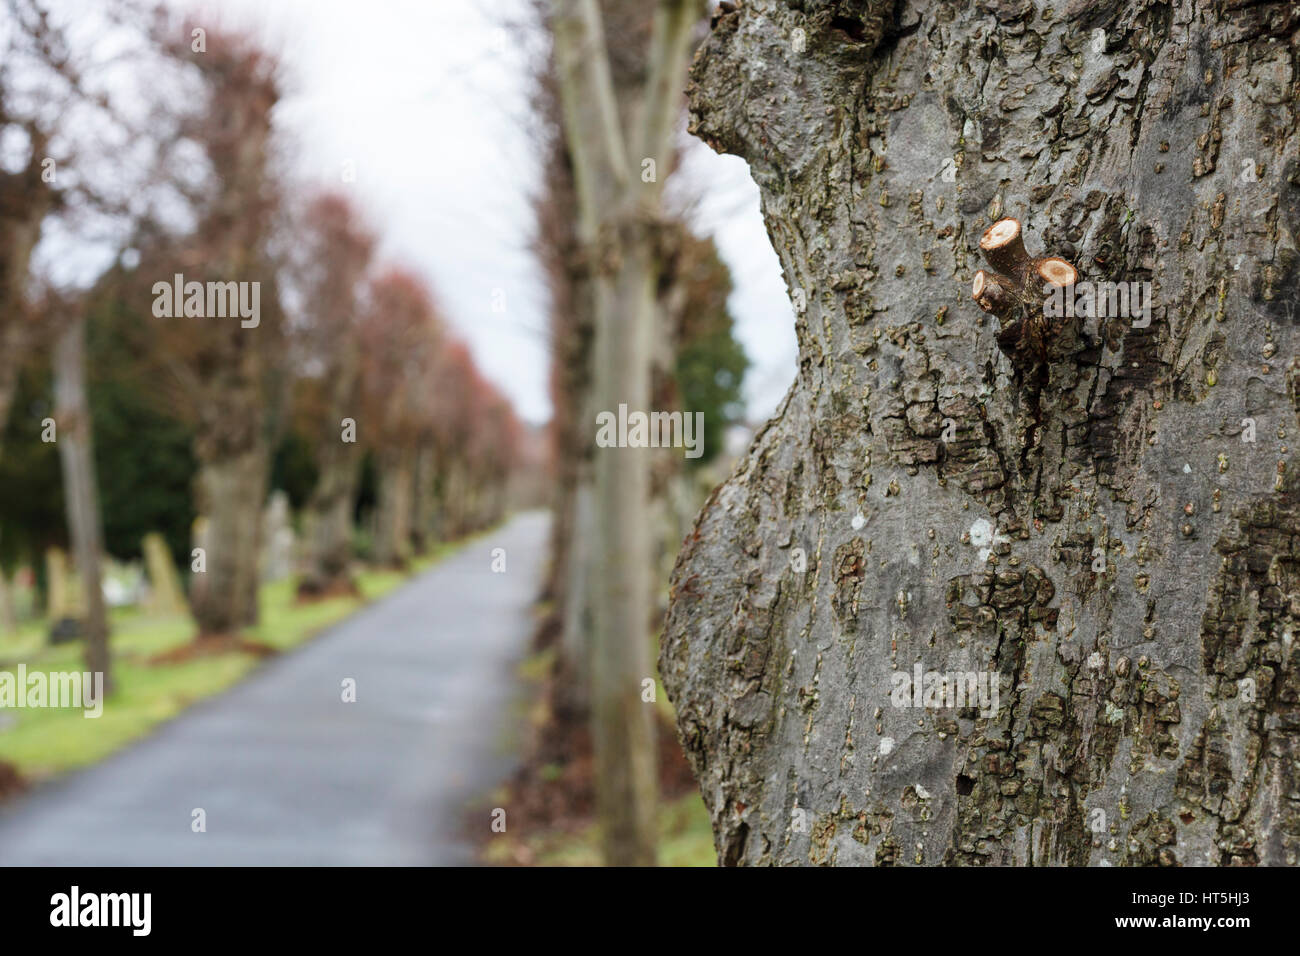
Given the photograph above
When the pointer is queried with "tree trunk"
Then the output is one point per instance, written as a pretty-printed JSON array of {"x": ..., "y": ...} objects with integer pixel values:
[
  {"x": 231, "y": 492},
  {"x": 395, "y": 506},
  {"x": 8, "y": 612},
  {"x": 452, "y": 501},
  {"x": 12, "y": 348},
  {"x": 623, "y": 728},
  {"x": 1101, "y": 512},
  {"x": 575, "y": 640},
  {"x": 25, "y": 200},
  {"x": 618, "y": 211},
  {"x": 328, "y": 561},
  {"x": 425, "y": 507},
  {"x": 80, "y": 489},
  {"x": 563, "y": 498}
]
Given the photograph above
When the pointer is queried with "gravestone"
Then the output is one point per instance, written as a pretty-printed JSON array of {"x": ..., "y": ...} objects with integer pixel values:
[
  {"x": 277, "y": 538},
  {"x": 165, "y": 594},
  {"x": 63, "y": 598}
]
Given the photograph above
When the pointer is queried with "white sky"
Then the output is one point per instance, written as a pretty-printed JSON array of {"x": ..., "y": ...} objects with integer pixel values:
[{"x": 428, "y": 99}]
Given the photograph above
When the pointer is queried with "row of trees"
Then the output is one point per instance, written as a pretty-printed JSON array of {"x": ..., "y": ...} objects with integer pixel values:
[
  {"x": 639, "y": 317},
  {"x": 325, "y": 370}
]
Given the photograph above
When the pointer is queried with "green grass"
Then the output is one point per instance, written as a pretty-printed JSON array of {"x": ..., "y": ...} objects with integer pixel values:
[
  {"x": 685, "y": 839},
  {"x": 687, "y": 835},
  {"x": 47, "y": 741}
]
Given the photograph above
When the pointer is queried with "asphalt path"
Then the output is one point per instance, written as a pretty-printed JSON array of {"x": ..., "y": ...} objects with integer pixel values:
[{"x": 287, "y": 773}]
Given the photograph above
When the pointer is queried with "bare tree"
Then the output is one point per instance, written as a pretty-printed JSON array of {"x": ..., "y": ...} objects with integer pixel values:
[
  {"x": 47, "y": 88},
  {"x": 400, "y": 339},
  {"x": 221, "y": 369},
  {"x": 337, "y": 252},
  {"x": 476, "y": 444}
]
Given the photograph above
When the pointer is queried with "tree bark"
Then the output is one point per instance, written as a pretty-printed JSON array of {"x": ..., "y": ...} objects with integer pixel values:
[
  {"x": 231, "y": 489},
  {"x": 1095, "y": 523},
  {"x": 395, "y": 507},
  {"x": 623, "y": 731},
  {"x": 25, "y": 200},
  {"x": 80, "y": 488},
  {"x": 328, "y": 559},
  {"x": 424, "y": 505},
  {"x": 338, "y": 247},
  {"x": 575, "y": 639},
  {"x": 11, "y": 354}
]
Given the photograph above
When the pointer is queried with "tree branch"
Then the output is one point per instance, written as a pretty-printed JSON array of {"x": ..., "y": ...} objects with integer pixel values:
[
  {"x": 590, "y": 109},
  {"x": 669, "y": 47}
]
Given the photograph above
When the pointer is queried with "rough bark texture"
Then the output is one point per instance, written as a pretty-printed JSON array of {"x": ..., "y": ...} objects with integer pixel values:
[{"x": 1162, "y": 690}]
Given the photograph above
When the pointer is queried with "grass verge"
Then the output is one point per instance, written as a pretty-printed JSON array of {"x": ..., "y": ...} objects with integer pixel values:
[
  {"x": 685, "y": 839},
  {"x": 43, "y": 742}
]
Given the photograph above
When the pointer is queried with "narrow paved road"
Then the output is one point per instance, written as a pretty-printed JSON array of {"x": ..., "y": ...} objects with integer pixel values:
[{"x": 288, "y": 773}]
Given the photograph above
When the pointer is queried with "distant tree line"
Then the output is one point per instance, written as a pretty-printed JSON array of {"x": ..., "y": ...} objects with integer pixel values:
[{"x": 347, "y": 389}]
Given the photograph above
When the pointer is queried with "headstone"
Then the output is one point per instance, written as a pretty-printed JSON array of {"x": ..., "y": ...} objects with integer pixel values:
[
  {"x": 64, "y": 600},
  {"x": 58, "y": 596},
  {"x": 64, "y": 629},
  {"x": 277, "y": 538},
  {"x": 165, "y": 595}
]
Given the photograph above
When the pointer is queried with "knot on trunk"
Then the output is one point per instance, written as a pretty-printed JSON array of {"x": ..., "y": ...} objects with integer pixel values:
[{"x": 1020, "y": 291}]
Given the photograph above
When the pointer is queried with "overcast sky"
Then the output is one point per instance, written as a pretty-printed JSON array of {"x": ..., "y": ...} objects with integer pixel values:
[{"x": 428, "y": 102}]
